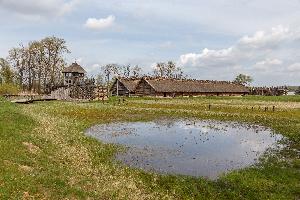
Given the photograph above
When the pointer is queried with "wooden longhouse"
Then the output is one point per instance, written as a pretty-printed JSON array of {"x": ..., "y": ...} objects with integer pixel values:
[
  {"x": 124, "y": 86},
  {"x": 167, "y": 87}
]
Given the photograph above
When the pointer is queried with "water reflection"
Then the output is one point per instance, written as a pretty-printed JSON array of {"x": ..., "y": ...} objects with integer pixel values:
[{"x": 196, "y": 148}]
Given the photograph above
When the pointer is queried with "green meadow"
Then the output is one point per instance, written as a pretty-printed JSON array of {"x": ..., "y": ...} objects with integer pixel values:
[{"x": 44, "y": 153}]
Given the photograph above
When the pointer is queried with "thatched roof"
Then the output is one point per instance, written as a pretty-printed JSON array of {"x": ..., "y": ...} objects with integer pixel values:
[
  {"x": 129, "y": 83},
  {"x": 74, "y": 68},
  {"x": 197, "y": 86}
]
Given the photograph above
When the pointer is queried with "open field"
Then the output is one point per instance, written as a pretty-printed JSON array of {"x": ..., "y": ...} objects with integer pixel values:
[{"x": 44, "y": 153}]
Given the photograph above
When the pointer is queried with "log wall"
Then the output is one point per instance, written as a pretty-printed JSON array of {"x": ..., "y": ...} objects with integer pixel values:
[
  {"x": 119, "y": 89},
  {"x": 144, "y": 89}
]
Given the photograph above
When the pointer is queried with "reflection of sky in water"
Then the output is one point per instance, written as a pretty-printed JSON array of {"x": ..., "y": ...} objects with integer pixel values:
[{"x": 197, "y": 148}]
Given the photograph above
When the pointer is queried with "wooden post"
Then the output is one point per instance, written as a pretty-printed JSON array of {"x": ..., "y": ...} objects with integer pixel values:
[
  {"x": 117, "y": 87},
  {"x": 209, "y": 107},
  {"x": 273, "y": 108},
  {"x": 102, "y": 94},
  {"x": 98, "y": 90}
]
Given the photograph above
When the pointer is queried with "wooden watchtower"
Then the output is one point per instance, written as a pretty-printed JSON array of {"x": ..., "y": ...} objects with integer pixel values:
[{"x": 74, "y": 75}]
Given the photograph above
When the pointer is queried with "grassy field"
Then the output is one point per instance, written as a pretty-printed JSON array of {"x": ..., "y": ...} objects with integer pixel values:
[{"x": 44, "y": 153}]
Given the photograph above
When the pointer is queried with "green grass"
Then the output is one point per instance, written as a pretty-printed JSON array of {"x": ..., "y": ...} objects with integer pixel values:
[
  {"x": 61, "y": 162},
  {"x": 291, "y": 98}
]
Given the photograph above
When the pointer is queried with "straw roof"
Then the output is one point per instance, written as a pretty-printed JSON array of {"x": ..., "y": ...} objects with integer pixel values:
[
  {"x": 129, "y": 83},
  {"x": 197, "y": 86},
  {"x": 74, "y": 68}
]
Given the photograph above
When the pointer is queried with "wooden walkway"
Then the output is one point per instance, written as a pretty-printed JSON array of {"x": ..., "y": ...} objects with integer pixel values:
[{"x": 27, "y": 101}]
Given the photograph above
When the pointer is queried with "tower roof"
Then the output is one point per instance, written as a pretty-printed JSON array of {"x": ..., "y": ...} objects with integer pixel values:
[{"x": 74, "y": 67}]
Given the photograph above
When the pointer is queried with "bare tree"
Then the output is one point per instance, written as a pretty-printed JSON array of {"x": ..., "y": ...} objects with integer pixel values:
[
  {"x": 160, "y": 69},
  {"x": 17, "y": 61},
  {"x": 55, "y": 48},
  {"x": 100, "y": 79},
  {"x": 136, "y": 71},
  {"x": 110, "y": 70},
  {"x": 126, "y": 70},
  {"x": 39, "y": 64},
  {"x": 169, "y": 70}
]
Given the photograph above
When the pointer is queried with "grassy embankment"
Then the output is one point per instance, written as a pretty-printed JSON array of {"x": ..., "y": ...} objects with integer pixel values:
[{"x": 44, "y": 153}]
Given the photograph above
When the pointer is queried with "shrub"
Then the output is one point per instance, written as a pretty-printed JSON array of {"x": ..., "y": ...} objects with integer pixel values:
[{"x": 9, "y": 89}]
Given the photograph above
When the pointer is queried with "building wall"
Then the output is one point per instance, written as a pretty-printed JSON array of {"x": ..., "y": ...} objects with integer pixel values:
[
  {"x": 144, "y": 89},
  {"x": 74, "y": 92},
  {"x": 122, "y": 90},
  {"x": 73, "y": 78}
]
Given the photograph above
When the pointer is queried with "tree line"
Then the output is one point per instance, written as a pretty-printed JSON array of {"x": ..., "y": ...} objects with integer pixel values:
[
  {"x": 38, "y": 66},
  {"x": 161, "y": 69}
]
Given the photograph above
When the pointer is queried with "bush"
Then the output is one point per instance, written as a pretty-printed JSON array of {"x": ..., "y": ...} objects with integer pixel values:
[
  {"x": 297, "y": 92},
  {"x": 9, "y": 89}
]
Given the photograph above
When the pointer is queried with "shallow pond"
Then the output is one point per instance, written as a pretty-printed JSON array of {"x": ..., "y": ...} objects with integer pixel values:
[{"x": 187, "y": 147}]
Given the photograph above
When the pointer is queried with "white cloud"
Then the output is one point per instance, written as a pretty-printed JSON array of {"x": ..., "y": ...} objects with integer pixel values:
[
  {"x": 266, "y": 55},
  {"x": 238, "y": 16},
  {"x": 99, "y": 24},
  {"x": 209, "y": 57},
  {"x": 247, "y": 50},
  {"x": 267, "y": 64},
  {"x": 270, "y": 62},
  {"x": 262, "y": 39},
  {"x": 294, "y": 67},
  {"x": 38, "y": 8}
]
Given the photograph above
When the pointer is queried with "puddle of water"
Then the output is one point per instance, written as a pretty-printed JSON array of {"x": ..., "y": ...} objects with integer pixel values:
[{"x": 196, "y": 148}]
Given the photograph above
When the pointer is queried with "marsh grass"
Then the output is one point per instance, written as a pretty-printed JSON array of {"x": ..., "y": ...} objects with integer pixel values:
[{"x": 45, "y": 154}]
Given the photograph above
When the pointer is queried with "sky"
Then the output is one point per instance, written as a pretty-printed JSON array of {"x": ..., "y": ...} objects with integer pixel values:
[{"x": 209, "y": 39}]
